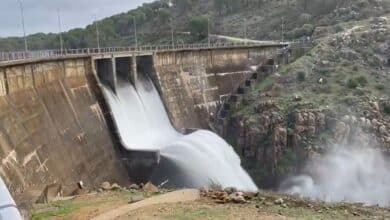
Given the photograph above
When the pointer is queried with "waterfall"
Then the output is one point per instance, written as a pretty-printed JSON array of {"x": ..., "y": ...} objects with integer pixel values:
[{"x": 200, "y": 158}]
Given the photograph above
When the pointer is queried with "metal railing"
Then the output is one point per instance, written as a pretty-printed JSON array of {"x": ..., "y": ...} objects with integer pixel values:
[{"x": 39, "y": 54}]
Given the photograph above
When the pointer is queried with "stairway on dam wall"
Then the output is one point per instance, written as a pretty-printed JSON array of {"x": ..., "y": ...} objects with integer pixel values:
[{"x": 233, "y": 101}]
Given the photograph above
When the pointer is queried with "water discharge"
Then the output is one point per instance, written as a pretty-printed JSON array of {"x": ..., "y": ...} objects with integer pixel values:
[
  {"x": 200, "y": 158},
  {"x": 345, "y": 173}
]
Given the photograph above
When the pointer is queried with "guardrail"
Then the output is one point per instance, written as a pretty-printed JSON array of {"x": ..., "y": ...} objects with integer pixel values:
[{"x": 38, "y": 54}]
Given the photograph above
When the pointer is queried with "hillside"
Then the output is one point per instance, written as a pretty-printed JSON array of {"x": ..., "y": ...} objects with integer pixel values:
[
  {"x": 337, "y": 94},
  {"x": 263, "y": 19}
]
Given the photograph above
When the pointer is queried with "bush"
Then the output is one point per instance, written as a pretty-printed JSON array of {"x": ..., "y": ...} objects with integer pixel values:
[
  {"x": 198, "y": 27},
  {"x": 301, "y": 76},
  {"x": 352, "y": 84},
  {"x": 380, "y": 87},
  {"x": 386, "y": 108},
  {"x": 305, "y": 30},
  {"x": 338, "y": 28},
  {"x": 349, "y": 100},
  {"x": 362, "y": 3},
  {"x": 355, "y": 68},
  {"x": 362, "y": 80}
]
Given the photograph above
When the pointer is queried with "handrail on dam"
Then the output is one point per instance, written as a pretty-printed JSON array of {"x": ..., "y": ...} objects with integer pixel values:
[{"x": 39, "y": 54}]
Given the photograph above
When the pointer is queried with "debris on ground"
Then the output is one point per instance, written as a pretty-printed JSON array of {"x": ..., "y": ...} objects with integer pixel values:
[
  {"x": 106, "y": 186},
  {"x": 227, "y": 195}
]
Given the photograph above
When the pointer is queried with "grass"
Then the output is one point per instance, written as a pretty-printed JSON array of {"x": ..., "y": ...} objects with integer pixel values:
[
  {"x": 260, "y": 207},
  {"x": 268, "y": 81},
  {"x": 66, "y": 209},
  {"x": 263, "y": 207},
  {"x": 202, "y": 212}
]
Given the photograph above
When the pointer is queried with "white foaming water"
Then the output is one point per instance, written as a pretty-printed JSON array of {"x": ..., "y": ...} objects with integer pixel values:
[
  {"x": 345, "y": 174},
  {"x": 143, "y": 125}
]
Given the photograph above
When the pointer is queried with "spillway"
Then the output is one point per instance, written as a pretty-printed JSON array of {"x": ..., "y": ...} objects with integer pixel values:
[{"x": 193, "y": 160}]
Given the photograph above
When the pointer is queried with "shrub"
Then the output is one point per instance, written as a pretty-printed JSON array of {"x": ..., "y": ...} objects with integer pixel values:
[
  {"x": 305, "y": 30},
  {"x": 308, "y": 29},
  {"x": 301, "y": 76},
  {"x": 338, "y": 28},
  {"x": 355, "y": 68},
  {"x": 352, "y": 84},
  {"x": 198, "y": 27},
  {"x": 386, "y": 108},
  {"x": 362, "y": 80},
  {"x": 362, "y": 3},
  {"x": 349, "y": 100},
  {"x": 380, "y": 87},
  {"x": 345, "y": 63}
]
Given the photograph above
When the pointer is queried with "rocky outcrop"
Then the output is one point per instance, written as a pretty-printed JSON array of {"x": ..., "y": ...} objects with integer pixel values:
[{"x": 278, "y": 143}]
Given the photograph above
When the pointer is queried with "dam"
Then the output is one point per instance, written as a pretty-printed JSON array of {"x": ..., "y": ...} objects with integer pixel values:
[{"x": 60, "y": 115}]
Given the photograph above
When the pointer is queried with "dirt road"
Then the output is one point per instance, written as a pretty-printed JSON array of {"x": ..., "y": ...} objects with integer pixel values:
[{"x": 172, "y": 197}]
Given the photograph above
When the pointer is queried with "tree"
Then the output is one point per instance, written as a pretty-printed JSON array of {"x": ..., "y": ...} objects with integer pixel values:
[
  {"x": 164, "y": 15},
  {"x": 199, "y": 27},
  {"x": 183, "y": 5}
]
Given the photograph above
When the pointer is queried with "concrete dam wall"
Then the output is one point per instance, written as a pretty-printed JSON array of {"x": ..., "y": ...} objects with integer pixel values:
[
  {"x": 193, "y": 83},
  {"x": 55, "y": 126},
  {"x": 53, "y": 129}
]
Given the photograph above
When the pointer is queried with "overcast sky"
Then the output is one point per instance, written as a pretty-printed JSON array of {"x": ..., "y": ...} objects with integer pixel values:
[{"x": 41, "y": 15}]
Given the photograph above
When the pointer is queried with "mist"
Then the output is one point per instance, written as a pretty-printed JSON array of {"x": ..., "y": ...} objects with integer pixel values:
[{"x": 344, "y": 174}]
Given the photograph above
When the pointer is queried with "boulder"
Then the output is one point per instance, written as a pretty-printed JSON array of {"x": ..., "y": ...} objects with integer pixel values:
[
  {"x": 150, "y": 188},
  {"x": 341, "y": 131},
  {"x": 237, "y": 197},
  {"x": 115, "y": 186},
  {"x": 105, "y": 186},
  {"x": 134, "y": 186},
  {"x": 382, "y": 130},
  {"x": 279, "y": 201}
]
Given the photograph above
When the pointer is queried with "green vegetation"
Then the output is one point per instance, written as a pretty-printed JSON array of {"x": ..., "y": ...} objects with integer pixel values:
[
  {"x": 198, "y": 27},
  {"x": 191, "y": 213},
  {"x": 386, "y": 108},
  {"x": 301, "y": 76},
  {"x": 362, "y": 80},
  {"x": 352, "y": 84},
  {"x": 380, "y": 87},
  {"x": 305, "y": 30},
  {"x": 288, "y": 161},
  {"x": 66, "y": 209},
  {"x": 227, "y": 17}
]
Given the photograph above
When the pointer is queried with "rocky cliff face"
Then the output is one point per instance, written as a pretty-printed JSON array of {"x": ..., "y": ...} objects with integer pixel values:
[
  {"x": 277, "y": 144},
  {"x": 337, "y": 94}
]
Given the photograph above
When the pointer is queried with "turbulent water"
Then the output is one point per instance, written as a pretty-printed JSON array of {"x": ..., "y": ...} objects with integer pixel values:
[
  {"x": 200, "y": 158},
  {"x": 345, "y": 174}
]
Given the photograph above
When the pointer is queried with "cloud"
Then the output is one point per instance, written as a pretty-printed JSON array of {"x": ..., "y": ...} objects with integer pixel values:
[{"x": 41, "y": 15}]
